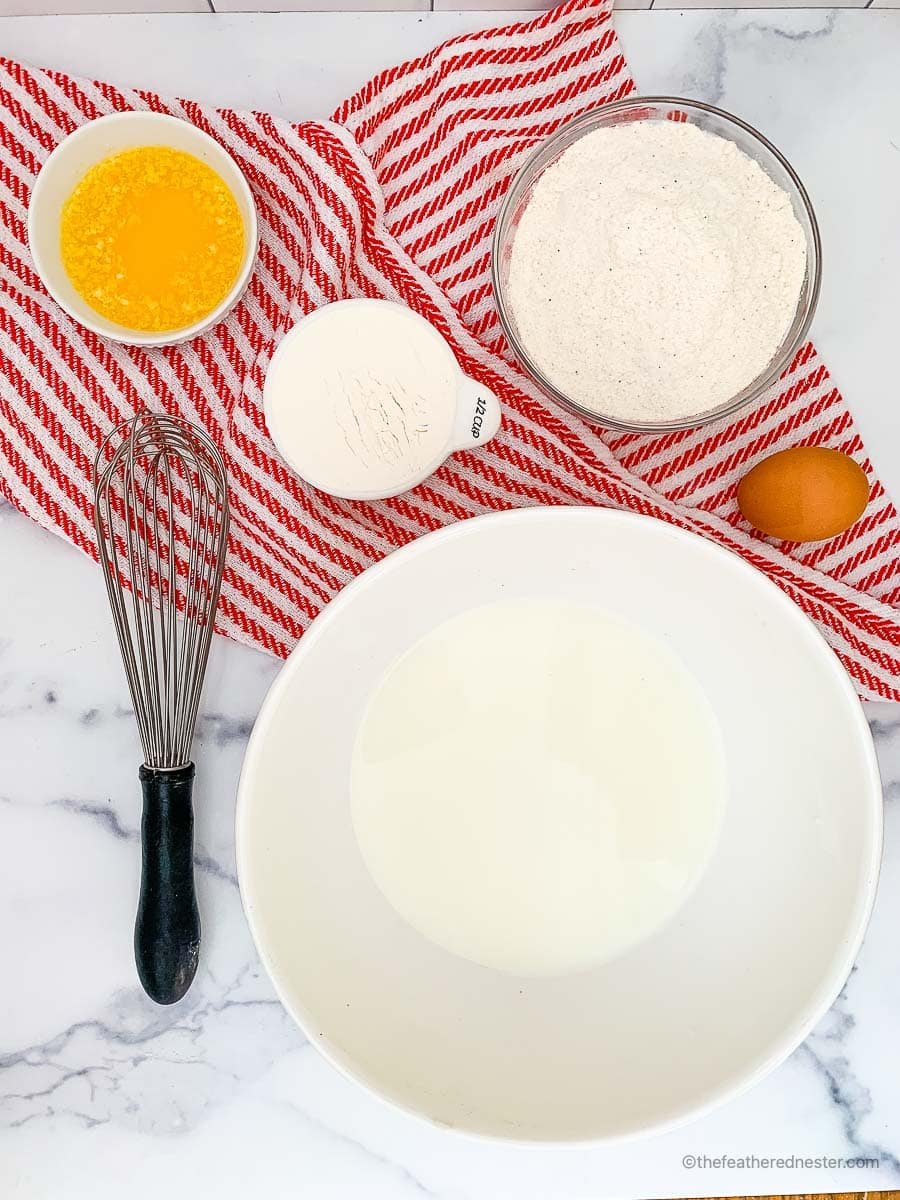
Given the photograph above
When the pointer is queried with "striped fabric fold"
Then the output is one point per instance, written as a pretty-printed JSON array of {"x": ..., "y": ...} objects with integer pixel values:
[{"x": 396, "y": 197}]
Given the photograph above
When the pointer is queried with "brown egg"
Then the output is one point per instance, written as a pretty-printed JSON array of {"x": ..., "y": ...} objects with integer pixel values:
[{"x": 804, "y": 495}]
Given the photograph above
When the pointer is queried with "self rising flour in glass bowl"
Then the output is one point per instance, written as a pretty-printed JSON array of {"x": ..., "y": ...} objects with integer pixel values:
[{"x": 656, "y": 264}]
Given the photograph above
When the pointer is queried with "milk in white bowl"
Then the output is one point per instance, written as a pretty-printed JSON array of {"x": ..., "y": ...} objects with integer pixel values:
[
  {"x": 673, "y": 663},
  {"x": 503, "y": 796}
]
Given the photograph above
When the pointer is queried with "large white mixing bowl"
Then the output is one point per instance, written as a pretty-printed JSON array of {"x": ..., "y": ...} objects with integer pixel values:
[{"x": 680, "y": 1023}]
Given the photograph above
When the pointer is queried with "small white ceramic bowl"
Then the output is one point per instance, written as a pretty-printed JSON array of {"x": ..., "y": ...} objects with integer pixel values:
[
  {"x": 677, "y": 1024},
  {"x": 68, "y": 163}
]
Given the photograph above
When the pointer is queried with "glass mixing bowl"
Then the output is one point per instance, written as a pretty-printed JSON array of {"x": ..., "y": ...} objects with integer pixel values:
[{"x": 714, "y": 120}]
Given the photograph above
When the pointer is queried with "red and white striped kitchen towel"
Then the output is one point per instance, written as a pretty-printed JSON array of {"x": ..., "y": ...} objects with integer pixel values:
[{"x": 396, "y": 197}]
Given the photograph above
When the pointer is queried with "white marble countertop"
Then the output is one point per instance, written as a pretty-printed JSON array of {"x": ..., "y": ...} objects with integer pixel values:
[{"x": 101, "y": 1093}]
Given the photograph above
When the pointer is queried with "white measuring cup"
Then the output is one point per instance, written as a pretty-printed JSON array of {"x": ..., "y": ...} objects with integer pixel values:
[{"x": 338, "y": 444}]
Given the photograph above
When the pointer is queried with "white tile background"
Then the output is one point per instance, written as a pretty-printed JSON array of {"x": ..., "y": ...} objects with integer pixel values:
[{"x": 41, "y": 7}]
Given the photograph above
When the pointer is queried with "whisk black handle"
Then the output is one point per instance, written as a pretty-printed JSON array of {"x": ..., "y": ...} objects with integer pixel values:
[{"x": 167, "y": 929}]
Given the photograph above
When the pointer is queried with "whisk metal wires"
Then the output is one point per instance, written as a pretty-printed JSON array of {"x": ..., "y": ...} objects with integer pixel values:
[{"x": 161, "y": 517}]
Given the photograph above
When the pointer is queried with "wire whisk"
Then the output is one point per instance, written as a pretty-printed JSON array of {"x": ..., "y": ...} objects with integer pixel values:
[{"x": 161, "y": 518}]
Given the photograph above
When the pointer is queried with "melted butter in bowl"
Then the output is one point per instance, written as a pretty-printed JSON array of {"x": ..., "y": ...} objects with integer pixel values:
[
  {"x": 143, "y": 228},
  {"x": 152, "y": 238}
]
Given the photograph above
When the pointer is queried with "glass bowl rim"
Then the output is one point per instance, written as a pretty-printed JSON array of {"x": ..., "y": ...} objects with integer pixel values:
[{"x": 789, "y": 346}]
